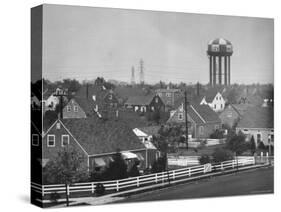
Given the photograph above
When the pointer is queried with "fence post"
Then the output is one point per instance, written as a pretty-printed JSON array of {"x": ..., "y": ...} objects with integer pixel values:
[
  {"x": 43, "y": 193},
  {"x": 93, "y": 188},
  {"x": 138, "y": 182},
  {"x": 221, "y": 165},
  {"x": 174, "y": 175},
  {"x": 233, "y": 163},
  {"x": 189, "y": 172},
  {"x": 117, "y": 185},
  {"x": 156, "y": 178},
  {"x": 67, "y": 188}
]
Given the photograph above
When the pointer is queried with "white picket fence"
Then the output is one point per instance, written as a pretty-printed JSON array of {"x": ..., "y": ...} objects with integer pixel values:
[{"x": 133, "y": 182}]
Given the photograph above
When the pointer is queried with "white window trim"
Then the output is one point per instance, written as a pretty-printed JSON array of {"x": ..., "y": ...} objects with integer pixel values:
[
  {"x": 75, "y": 108},
  {"x": 62, "y": 136},
  {"x": 48, "y": 138},
  {"x": 68, "y": 108},
  {"x": 201, "y": 130},
  {"x": 180, "y": 114},
  {"x": 32, "y": 137}
]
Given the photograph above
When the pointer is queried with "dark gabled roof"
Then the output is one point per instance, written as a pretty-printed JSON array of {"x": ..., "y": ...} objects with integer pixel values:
[
  {"x": 150, "y": 130},
  {"x": 211, "y": 94},
  {"x": 139, "y": 100},
  {"x": 206, "y": 113},
  {"x": 86, "y": 104},
  {"x": 172, "y": 90},
  {"x": 201, "y": 114},
  {"x": 257, "y": 117},
  {"x": 97, "y": 136},
  {"x": 241, "y": 108},
  {"x": 133, "y": 119}
]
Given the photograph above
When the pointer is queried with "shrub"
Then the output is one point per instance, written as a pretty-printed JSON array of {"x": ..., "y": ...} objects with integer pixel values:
[
  {"x": 100, "y": 189},
  {"x": 159, "y": 165},
  {"x": 204, "y": 159},
  {"x": 221, "y": 154},
  {"x": 217, "y": 134},
  {"x": 134, "y": 171},
  {"x": 54, "y": 197},
  {"x": 261, "y": 145}
]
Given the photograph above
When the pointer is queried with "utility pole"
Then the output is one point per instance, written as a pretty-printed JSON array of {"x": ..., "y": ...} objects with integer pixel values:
[
  {"x": 60, "y": 95},
  {"x": 186, "y": 121}
]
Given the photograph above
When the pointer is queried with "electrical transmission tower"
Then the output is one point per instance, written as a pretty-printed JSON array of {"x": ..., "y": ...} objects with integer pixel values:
[
  {"x": 141, "y": 72},
  {"x": 133, "y": 82}
]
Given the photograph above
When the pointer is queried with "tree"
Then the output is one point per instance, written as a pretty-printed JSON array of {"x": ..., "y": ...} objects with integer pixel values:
[
  {"x": 217, "y": 134},
  {"x": 159, "y": 165},
  {"x": 67, "y": 167},
  {"x": 237, "y": 143},
  {"x": 117, "y": 169},
  {"x": 253, "y": 145},
  {"x": 204, "y": 159},
  {"x": 134, "y": 171},
  {"x": 221, "y": 154}
]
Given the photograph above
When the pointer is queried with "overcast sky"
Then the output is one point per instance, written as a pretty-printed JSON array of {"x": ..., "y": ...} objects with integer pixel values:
[{"x": 85, "y": 42}]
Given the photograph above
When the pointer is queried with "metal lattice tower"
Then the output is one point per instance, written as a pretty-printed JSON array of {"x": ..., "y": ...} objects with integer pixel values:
[
  {"x": 133, "y": 82},
  {"x": 141, "y": 72}
]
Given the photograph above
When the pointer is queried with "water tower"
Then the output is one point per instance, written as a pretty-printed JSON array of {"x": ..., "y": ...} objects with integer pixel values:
[{"x": 219, "y": 52}]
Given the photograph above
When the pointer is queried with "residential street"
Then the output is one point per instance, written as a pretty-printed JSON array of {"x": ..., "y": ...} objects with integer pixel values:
[{"x": 250, "y": 182}]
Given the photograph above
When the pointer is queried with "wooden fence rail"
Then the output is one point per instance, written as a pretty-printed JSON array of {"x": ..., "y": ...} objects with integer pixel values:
[{"x": 133, "y": 182}]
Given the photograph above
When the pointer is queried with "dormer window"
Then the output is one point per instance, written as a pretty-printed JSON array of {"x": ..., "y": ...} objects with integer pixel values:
[
  {"x": 75, "y": 108},
  {"x": 180, "y": 116},
  {"x": 110, "y": 97},
  {"x": 58, "y": 126}
]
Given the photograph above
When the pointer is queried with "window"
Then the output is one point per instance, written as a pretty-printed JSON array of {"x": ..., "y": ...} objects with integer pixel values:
[
  {"x": 168, "y": 94},
  {"x": 75, "y": 108},
  {"x": 64, "y": 140},
  {"x": 215, "y": 106},
  {"x": 201, "y": 130},
  {"x": 110, "y": 97},
  {"x": 156, "y": 100},
  {"x": 58, "y": 126},
  {"x": 68, "y": 108},
  {"x": 221, "y": 106},
  {"x": 180, "y": 116},
  {"x": 51, "y": 140},
  {"x": 160, "y": 94},
  {"x": 35, "y": 140}
]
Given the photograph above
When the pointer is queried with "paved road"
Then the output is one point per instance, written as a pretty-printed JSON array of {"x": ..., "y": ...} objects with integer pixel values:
[{"x": 250, "y": 182}]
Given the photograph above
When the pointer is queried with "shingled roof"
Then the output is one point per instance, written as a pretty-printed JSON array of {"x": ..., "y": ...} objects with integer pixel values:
[
  {"x": 139, "y": 100},
  {"x": 257, "y": 117},
  {"x": 201, "y": 114},
  {"x": 211, "y": 94},
  {"x": 97, "y": 136}
]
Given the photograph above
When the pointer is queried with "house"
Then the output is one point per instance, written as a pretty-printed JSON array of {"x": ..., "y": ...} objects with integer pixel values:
[
  {"x": 214, "y": 99},
  {"x": 233, "y": 113},
  {"x": 259, "y": 123},
  {"x": 97, "y": 140},
  {"x": 147, "y": 139},
  {"x": 50, "y": 100},
  {"x": 145, "y": 103},
  {"x": 90, "y": 100},
  {"x": 169, "y": 96},
  {"x": 202, "y": 120}
]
